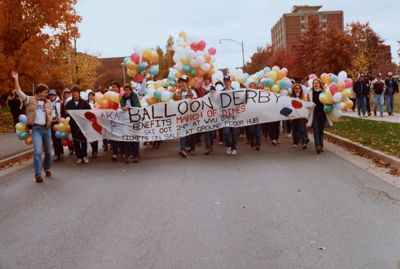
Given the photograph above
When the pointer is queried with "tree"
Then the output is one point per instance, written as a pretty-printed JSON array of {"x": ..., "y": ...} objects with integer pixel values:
[
  {"x": 166, "y": 61},
  {"x": 34, "y": 36},
  {"x": 259, "y": 60}
]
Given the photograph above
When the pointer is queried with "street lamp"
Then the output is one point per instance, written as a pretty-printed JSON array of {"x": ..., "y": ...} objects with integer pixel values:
[{"x": 235, "y": 41}]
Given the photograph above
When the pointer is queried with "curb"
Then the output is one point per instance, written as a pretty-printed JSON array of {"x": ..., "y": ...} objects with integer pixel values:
[
  {"x": 16, "y": 157},
  {"x": 375, "y": 154}
]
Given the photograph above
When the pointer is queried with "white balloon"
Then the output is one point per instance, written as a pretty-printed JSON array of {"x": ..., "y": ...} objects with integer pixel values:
[
  {"x": 342, "y": 75},
  {"x": 337, "y": 113},
  {"x": 339, "y": 105},
  {"x": 205, "y": 67},
  {"x": 235, "y": 85},
  {"x": 165, "y": 96},
  {"x": 179, "y": 66},
  {"x": 84, "y": 95},
  {"x": 337, "y": 97},
  {"x": 219, "y": 87}
]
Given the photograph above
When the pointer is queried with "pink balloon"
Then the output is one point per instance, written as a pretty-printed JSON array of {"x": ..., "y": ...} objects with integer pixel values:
[
  {"x": 313, "y": 76},
  {"x": 201, "y": 45},
  {"x": 212, "y": 51},
  {"x": 138, "y": 78},
  {"x": 348, "y": 83},
  {"x": 333, "y": 87},
  {"x": 135, "y": 58},
  {"x": 121, "y": 93}
]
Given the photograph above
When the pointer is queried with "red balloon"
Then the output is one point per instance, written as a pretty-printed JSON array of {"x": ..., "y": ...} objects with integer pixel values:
[
  {"x": 201, "y": 45},
  {"x": 65, "y": 142},
  {"x": 138, "y": 78},
  {"x": 114, "y": 105},
  {"x": 135, "y": 58},
  {"x": 193, "y": 46},
  {"x": 212, "y": 51},
  {"x": 333, "y": 87}
]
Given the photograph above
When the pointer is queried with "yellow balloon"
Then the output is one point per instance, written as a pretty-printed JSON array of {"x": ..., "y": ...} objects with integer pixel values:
[
  {"x": 276, "y": 68},
  {"x": 241, "y": 80},
  {"x": 185, "y": 60},
  {"x": 146, "y": 54},
  {"x": 346, "y": 93},
  {"x": 131, "y": 72},
  {"x": 113, "y": 97},
  {"x": 275, "y": 88},
  {"x": 20, "y": 127},
  {"x": 325, "y": 78},
  {"x": 341, "y": 86},
  {"x": 154, "y": 56},
  {"x": 281, "y": 74},
  {"x": 273, "y": 75},
  {"x": 61, "y": 127},
  {"x": 183, "y": 35},
  {"x": 98, "y": 97},
  {"x": 349, "y": 104}
]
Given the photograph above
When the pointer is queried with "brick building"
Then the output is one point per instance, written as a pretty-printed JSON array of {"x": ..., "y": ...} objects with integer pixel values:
[{"x": 291, "y": 25}]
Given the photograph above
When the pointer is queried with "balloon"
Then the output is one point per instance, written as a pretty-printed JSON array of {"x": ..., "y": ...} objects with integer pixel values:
[
  {"x": 146, "y": 54},
  {"x": 157, "y": 95},
  {"x": 212, "y": 51},
  {"x": 131, "y": 65},
  {"x": 113, "y": 96},
  {"x": 193, "y": 72},
  {"x": 28, "y": 140},
  {"x": 23, "y": 135},
  {"x": 334, "y": 78},
  {"x": 20, "y": 127},
  {"x": 61, "y": 127},
  {"x": 135, "y": 57},
  {"x": 324, "y": 98},
  {"x": 114, "y": 105},
  {"x": 235, "y": 85},
  {"x": 153, "y": 56},
  {"x": 273, "y": 75},
  {"x": 165, "y": 96},
  {"x": 349, "y": 104},
  {"x": 205, "y": 67},
  {"x": 142, "y": 66},
  {"x": 267, "y": 70},
  {"x": 121, "y": 93},
  {"x": 346, "y": 93},
  {"x": 138, "y": 78},
  {"x": 276, "y": 68},
  {"x": 186, "y": 69},
  {"x": 342, "y": 75},
  {"x": 154, "y": 70},
  {"x": 98, "y": 96},
  {"x": 341, "y": 86},
  {"x": 201, "y": 45},
  {"x": 333, "y": 87},
  {"x": 325, "y": 78},
  {"x": 275, "y": 88},
  {"x": 22, "y": 119},
  {"x": 58, "y": 134},
  {"x": 348, "y": 83},
  {"x": 104, "y": 103},
  {"x": 131, "y": 72},
  {"x": 65, "y": 142},
  {"x": 185, "y": 60},
  {"x": 55, "y": 127},
  {"x": 337, "y": 113},
  {"x": 328, "y": 109},
  {"x": 264, "y": 82},
  {"x": 284, "y": 92},
  {"x": 64, "y": 135},
  {"x": 339, "y": 106},
  {"x": 312, "y": 76},
  {"x": 337, "y": 97},
  {"x": 193, "y": 46},
  {"x": 282, "y": 85},
  {"x": 151, "y": 100}
]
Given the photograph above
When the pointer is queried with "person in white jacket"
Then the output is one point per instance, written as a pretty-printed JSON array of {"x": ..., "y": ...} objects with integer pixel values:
[{"x": 56, "y": 115}]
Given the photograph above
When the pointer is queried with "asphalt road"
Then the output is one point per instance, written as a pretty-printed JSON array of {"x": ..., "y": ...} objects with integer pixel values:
[
  {"x": 278, "y": 208},
  {"x": 10, "y": 145}
]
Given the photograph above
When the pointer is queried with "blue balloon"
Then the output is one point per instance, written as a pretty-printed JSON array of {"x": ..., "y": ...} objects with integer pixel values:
[
  {"x": 157, "y": 95},
  {"x": 154, "y": 70},
  {"x": 334, "y": 78},
  {"x": 328, "y": 109},
  {"x": 270, "y": 82},
  {"x": 22, "y": 119},
  {"x": 186, "y": 69},
  {"x": 282, "y": 84},
  {"x": 58, "y": 134},
  {"x": 267, "y": 70},
  {"x": 142, "y": 66},
  {"x": 126, "y": 60},
  {"x": 193, "y": 72},
  {"x": 22, "y": 135},
  {"x": 171, "y": 83}
]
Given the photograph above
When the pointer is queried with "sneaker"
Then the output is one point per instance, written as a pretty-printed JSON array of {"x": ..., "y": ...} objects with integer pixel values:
[
  {"x": 228, "y": 151},
  {"x": 234, "y": 152},
  {"x": 278, "y": 141},
  {"x": 114, "y": 158},
  {"x": 183, "y": 153},
  {"x": 318, "y": 151},
  {"x": 48, "y": 173},
  {"x": 79, "y": 161},
  {"x": 289, "y": 135},
  {"x": 304, "y": 146},
  {"x": 38, "y": 179},
  {"x": 274, "y": 142},
  {"x": 85, "y": 160},
  {"x": 257, "y": 148},
  {"x": 295, "y": 145},
  {"x": 207, "y": 152}
]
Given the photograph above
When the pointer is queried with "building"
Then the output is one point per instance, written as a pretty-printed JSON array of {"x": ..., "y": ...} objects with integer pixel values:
[{"x": 286, "y": 31}]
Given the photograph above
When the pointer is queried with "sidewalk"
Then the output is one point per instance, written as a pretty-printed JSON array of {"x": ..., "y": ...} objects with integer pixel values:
[
  {"x": 10, "y": 145},
  {"x": 394, "y": 118}
]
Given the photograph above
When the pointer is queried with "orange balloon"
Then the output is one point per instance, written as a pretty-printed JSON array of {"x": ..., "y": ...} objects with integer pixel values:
[
  {"x": 28, "y": 140},
  {"x": 151, "y": 100},
  {"x": 105, "y": 104}
]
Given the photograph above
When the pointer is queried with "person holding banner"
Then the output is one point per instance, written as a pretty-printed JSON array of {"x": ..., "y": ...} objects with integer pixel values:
[
  {"x": 299, "y": 133},
  {"x": 255, "y": 131},
  {"x": 184, "y": 92},
  {"x": 130, "y": 99},
  {"x": 80, "y": 143},
  {"x": 318, "y": 117},
  {"x": 95, "y": 144},
  {"x": 117, "y": 146},
  {"x": 208, "y": 136},
  {"x": 38, "y": 109},
  {"x": 230, "y": 133}
]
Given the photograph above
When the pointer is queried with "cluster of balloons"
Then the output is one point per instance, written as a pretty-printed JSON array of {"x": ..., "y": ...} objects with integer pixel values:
[
  {"x": 63, "y": 131},
  {"x": 272, "y": 79},
  {"x": 22, "y": 130},
  {"x": 336, "y": 95},
  {"x": 238, "y": 77},
  {"x": 109, "y": 100},
  {"x": 192, "y": 58},
  {"x": 142, "y": 64}
]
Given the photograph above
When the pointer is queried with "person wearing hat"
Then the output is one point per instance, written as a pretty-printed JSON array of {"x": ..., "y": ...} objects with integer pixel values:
[
  {"x": 184, "y": 92},
  {"x": 38, "y": 110},
  {"x": 80, "y": 143},
  {"x": 56, "y": 114},
  {"x": 378, "y": 87},
  {"x": 391, "y": 88},
  {"x": 230, "y": 133}
]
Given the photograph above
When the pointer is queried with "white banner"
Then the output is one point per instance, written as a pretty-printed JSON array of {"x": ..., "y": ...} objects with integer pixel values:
[{"x": 172, "y": 120}]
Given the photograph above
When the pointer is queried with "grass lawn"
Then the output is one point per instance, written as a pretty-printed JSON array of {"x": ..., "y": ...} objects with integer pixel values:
[
  {"x": 6, "y": 121},
  {"x": 379, "y": 135},
  {"x": 396, "y": 105}
]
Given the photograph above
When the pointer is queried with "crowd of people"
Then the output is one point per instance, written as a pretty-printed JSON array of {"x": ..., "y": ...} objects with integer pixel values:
[{"x": 45, "y": 108}]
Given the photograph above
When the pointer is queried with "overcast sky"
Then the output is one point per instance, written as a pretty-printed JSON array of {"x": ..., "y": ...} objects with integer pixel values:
[{"x": 114, "y": 28}]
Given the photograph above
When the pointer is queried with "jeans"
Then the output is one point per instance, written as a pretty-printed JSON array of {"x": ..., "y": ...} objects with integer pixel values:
[
  {"x": 389, "y": 103},
  {"x": 255, "y": 133},
  {"x": 117, "y": 147},
  {"x": 41, "y": 136},
  {"x": 132, "y": 148},
  {"x": 378, "y": 99},
  {"x": 184, "y": 143},
  {"x": 208, "y": 137},
  {"x": 299, "y": 132},
  {"x": 230, "y": 137},
  {"x": 95, "y": 146},
  {"x": 361, "y": 105},
  {"x": 318, "y": 126}
]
